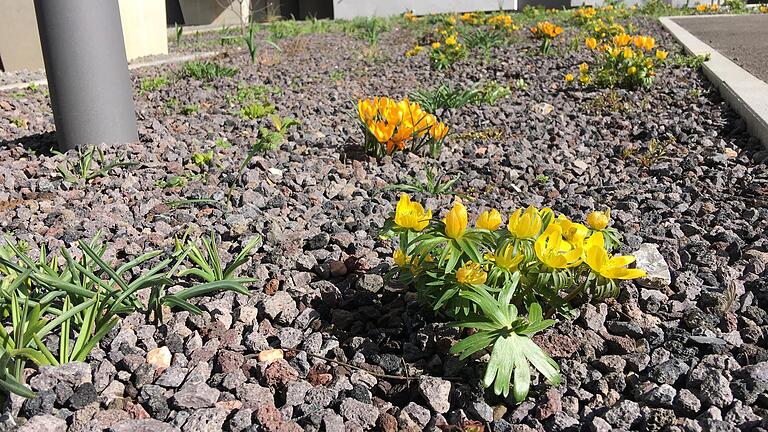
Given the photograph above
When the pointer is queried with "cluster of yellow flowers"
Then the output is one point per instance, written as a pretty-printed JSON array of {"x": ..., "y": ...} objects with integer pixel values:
[
  {"x": 409, "y": 15},
  {"x": 626, "y": 61},
  {"x": 502, "y": 22},
  {"x": 471, "y": 18},
  {"x": 583, "y": 15},
  {"x": 707, "y": 7},
  {"x": 763, "y": 8},
  {"x": 546, "y": 30},
  {"x": 390, "y": 125},
  {"x": 558, "y": 242}
]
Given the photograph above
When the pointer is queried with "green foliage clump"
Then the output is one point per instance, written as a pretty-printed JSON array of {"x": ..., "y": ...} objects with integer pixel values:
[
  {"x": 77, "y": 301},
  {"x": 206, "y": 70}
]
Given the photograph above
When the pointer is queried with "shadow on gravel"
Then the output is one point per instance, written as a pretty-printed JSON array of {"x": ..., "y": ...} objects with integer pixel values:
[
  {"x": 40, "y": 144},
  {"x": 384, "y": 330}
]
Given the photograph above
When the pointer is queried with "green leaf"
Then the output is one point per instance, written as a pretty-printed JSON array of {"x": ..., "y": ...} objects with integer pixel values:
[
  {"x": 540, "y": 360},
  {"x": 211, "y": 287},
  {"x": 472, "y": 344}
]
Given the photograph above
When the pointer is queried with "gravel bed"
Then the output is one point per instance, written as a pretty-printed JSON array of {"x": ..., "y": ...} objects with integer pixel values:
[{"x": 675, "y": 164}]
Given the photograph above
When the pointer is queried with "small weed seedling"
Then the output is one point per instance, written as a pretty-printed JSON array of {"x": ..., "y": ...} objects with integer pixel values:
[
  {"x": 202, "y": 159},
  {"x": 190, "y": 109},
  {"x": 178, "y": 30},
  {"x": 90, "y": 164},
  {"x": 256, "y": 110},
  {"x": 154, "y": 83},
  {"x": 268, "y": 139},
  {"x": 433, "y": 185},
  {"x": 206, "y": 71}
]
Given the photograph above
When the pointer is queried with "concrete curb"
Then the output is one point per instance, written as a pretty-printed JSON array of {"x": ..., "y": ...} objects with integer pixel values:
[
  {"x": 132, "y": 66},
  {"x": 744, "y": 92}
]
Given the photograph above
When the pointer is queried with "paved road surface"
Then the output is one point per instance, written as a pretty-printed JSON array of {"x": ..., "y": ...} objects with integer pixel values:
[{"x": 743, "y": 39}]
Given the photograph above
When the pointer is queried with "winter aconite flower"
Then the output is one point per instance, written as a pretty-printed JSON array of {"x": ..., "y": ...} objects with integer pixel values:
[
  {"x": 555, "y": 251},
  {"x": 400, "y": 258},
  {"x": 621, "y": 40},
  {"x": 525, "y": 225},
  {"x": 661, "y": 54},
  {"x": 456, "y": 221},
  {"x": 507, "y": 259},
  {"x": 410, "y": 214},
  {"x": 598, "y": 220},
  {"x": 435, "y": 45},
  {"x": 568, "y": 77},
  {"x": 583, "y": 68},
  {"x": 471, "y": 273},
  {"x": 591, "y": 43},
  {"x": 600, "y": 262},
  {"x": 489, "y": 219}
]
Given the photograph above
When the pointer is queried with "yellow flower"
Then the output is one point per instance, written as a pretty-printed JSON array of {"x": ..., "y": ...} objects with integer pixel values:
[
  {"x": 584, "y": 79},
  {"x": 701, "y": 7},
  {"x": 438, "y": 131},
  {"x": 456, "y": 220},
  {"x": 621, "y": 40},
  {"x": 525, "y": 225},
  {"x": 367, "y": 109},
  {"x": 410, "y": 214},
  {"x": 471, "y": 273},
  {"x": 554, "y": 251},
  {"x": 600, "y": 262},
  {"x": 451, "y": 40},
  {"x": 507, "y": 259},
  {"x": 435, "y": 45},
  {"x": 574, "y": 232},
  {"x": 644, "y": 42},
  {"x": 628, "y": 53},
  {"x": 400, "y": 258},
  {"x": 598, "y": 220},
  {"x": 381, "y": 130},
  {"x": 452, "y": 20},
  {"x": 615, "y": 52},
  {"x": 489, "y": 220},
  {"x": 591, "y": 43},
  {"x": 583, "y": 68},
  {"x": 661, "y": 55},
  {"x": 568, "y": 77},
  {"x": 631, "y": 70},
  {"x": 714, "y": 7}
]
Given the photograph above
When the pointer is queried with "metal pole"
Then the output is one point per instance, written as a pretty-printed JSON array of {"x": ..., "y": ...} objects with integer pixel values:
[{"x": 87, "y": 70}]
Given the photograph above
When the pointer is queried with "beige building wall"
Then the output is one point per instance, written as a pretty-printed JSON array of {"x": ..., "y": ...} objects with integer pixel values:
[
  {"x": 144, "y": 27},
  {"x": 144, "y": 31}
]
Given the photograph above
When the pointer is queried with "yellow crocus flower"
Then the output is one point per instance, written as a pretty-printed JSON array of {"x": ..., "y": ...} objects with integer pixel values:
[
  {"x": 591, "y": 43},
  {"x": 410, "y": 214},
  {"x": 599, "y": 220},
  {"x": 456, "y": 221},
  {"x": 489, "y": 219},
  {"x": 381, "y": 130},
  {"x": 471, "y": 273},
  {"x": 628, "y": 53},
  {"x": 600, "y": 262},
  {"x": 525, "y": 225},
  {"x": 554, "y": 251},
  {"x": 631, "y": 70},
  {"x": 366, "y": 109},
  {"x": 438, "y": 131}
]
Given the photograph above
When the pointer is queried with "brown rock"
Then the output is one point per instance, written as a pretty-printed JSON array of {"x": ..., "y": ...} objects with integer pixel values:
[
  {"x": 387, "y": 422},
  {"x": 280, "y": 373}
]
